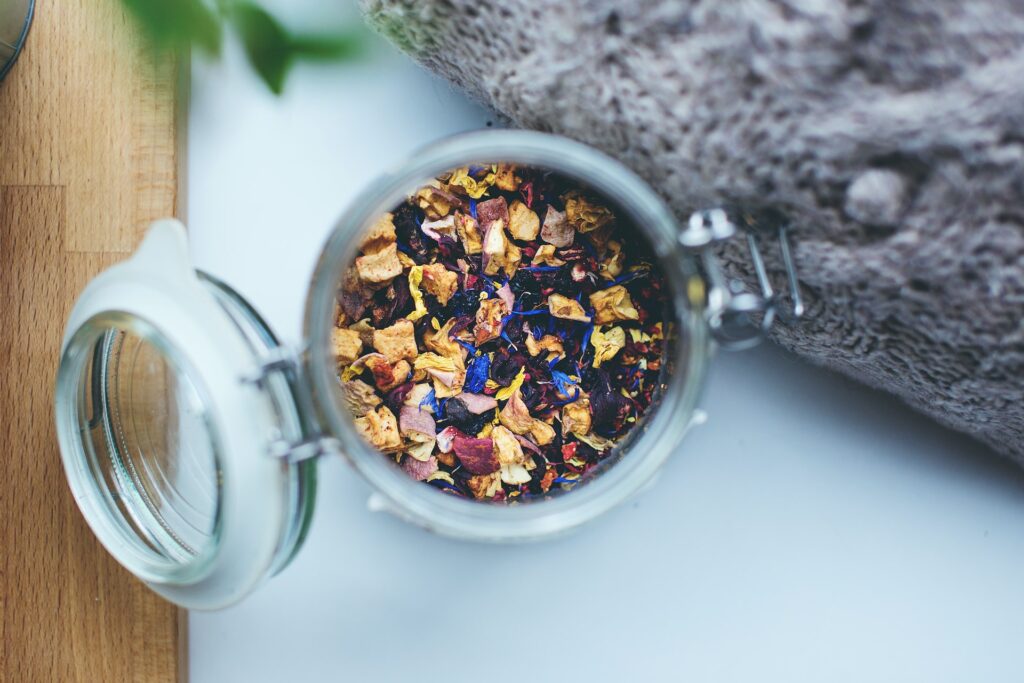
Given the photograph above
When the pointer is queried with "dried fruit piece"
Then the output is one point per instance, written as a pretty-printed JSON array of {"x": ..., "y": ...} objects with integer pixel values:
[
  {"x": 613, "y": 305},
  {"x": 611, "y": 267},
  {"x": 348, "y": 345},
  {"x": 489, "y": 320},
  {"x": 484, "y": 485},
  {"x": 379, "y": 267},
  {"x": 434, "y": 202},
  {"x": 440, "y": 282},
  {"x": 505, "y": 178},
  {"x": 515, "y": 465},
  {"x": 545, "y": 256},
  {"x": 380, "y": 429},
  {"x": 568, "y": 309},
  {"x": 523, "y": 224},
  {"x": 379, "y": 235},
  {"x": 549, "y": 344},
  {"x": 396, "y": 342},
  {"x": 442, "y": 227},
  {"x": 468, "y": 231}
]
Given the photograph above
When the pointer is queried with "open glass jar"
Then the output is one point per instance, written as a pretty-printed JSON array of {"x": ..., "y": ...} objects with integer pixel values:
[{"x": 190, "y": 436}]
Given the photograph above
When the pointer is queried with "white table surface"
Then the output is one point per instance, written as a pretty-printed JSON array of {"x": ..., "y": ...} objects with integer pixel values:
[{"x": 812, "y": 530}]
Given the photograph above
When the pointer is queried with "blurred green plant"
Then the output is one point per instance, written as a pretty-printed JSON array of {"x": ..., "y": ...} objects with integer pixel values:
[{"x": 270, "y": 47}]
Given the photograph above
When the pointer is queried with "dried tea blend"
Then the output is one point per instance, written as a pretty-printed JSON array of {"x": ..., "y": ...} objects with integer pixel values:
[{"x": 500, "y": 331}]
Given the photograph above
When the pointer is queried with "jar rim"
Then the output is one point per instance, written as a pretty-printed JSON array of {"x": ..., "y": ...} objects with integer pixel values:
[{"x": 664, "y": 428}]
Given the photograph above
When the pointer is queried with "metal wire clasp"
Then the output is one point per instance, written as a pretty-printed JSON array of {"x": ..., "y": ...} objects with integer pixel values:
[{"x": 738, "y": 318}]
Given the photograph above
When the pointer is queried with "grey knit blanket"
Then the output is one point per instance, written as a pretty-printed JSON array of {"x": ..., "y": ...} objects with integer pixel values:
[{"x": 889, "y": 133}]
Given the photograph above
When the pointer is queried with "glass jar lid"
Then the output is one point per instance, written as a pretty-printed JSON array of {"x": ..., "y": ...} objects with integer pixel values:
[{"x": 165, "y": 448}]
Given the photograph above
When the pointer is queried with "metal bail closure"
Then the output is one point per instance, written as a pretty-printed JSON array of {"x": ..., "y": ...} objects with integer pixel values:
[{"x": 738, "y": 318}]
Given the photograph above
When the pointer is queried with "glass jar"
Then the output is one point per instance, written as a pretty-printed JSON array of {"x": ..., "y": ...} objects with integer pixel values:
[
  {"x": 190, "y": 436},
  {"x": 15, "y": 18}
]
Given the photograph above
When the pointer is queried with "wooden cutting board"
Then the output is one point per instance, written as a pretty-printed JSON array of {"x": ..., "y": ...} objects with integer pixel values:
[{"x": 89, "y": 155}]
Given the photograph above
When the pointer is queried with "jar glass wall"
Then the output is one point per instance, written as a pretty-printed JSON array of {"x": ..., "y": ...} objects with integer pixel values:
[
  {"x": 15, "y": 19},
  {"x": 648, "y": 445}
]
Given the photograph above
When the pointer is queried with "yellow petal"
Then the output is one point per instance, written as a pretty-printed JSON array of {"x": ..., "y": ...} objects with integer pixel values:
[
  {"x": 415, "y": 278},
  {"x": 506, "y": 392}
]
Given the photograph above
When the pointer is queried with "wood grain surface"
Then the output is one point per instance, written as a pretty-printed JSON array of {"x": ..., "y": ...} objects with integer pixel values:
[{"x": 88, "y": 156}]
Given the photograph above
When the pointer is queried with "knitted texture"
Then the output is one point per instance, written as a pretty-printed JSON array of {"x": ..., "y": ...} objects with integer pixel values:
[{"x": 889, "y": 134}]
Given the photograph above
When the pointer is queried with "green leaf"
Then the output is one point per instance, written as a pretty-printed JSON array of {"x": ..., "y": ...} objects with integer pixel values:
[
  {"x": 175, "y": 24},
  {"x": 330, "y": 47},
  {"x": 267, "y": 43}
]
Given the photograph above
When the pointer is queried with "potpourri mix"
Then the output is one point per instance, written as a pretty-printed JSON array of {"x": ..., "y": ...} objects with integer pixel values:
[{"x": 499, "y": 332}]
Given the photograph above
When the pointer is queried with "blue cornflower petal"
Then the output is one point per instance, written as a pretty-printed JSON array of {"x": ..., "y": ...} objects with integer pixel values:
[{"x": 476, "y": 374}]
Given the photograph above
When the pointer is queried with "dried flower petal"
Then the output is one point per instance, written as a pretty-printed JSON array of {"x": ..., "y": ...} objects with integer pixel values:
[
  {"x": 446, "y": 438},
  {"x": 576, "y": 417},
  {"x": 556, "y": 229},
  {"x": 611, "y": 267},
  {"x": 419, "y": 469},
  {"x": 441, "y": 342},
  {"x": 477, "y": 403},
  {"x": 414, "y": 421},
  {"x": 515, "y": 415},
  {"x": 359, "y": 397},
  {"x": 473, "y": 187},
  {"x": 476, "y": 455},
  {"x": 417, "y": 397},
  {"x": 584, "y": 215},
  {"x": 566, "y": 308},
  {"x": 607, "y": 343},
  {"x": 415, "y": 278},
  {"x": 506, "y": 294},
  {"x": 613, "y": 305},
  {"x": 505, "y": 393}
]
